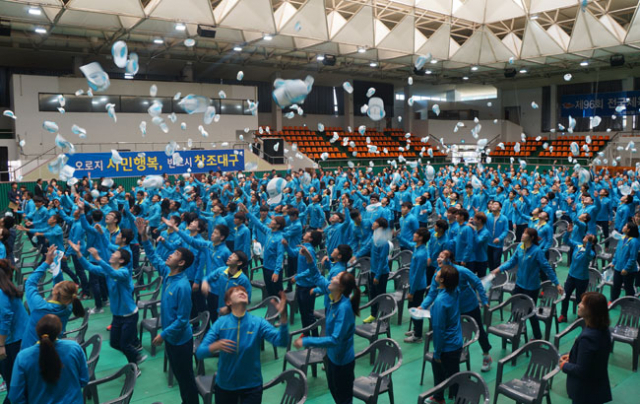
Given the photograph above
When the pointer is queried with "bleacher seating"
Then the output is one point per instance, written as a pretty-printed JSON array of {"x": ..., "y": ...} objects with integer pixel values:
[
  {"x": 562, "y": 146},
  {"x": 527, "y": 149}
]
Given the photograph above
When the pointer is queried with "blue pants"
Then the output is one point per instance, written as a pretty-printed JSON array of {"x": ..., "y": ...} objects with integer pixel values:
[
  {"x": 96, "y": 289},
  {"x": 243, "y": 396},
  {"x": 123, "y": 335},
  {"x": 82, "y": 276},
  {"x": 181, "y": 360}
]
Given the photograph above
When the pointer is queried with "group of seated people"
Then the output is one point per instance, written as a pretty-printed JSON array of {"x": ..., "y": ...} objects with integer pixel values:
[{"x": 204, "y": 235}]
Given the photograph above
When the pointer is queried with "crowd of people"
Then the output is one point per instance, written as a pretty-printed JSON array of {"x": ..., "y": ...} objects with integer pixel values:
[{"x": 204, "y": 234}]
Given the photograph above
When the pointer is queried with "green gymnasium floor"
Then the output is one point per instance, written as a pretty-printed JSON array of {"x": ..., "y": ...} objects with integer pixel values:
[{"x": 152, "y": 385}]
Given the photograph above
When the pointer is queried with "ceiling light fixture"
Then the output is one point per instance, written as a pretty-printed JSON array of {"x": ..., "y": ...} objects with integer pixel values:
[
  {"x": 40, "y": 30},
  {"x": 362, "y": 50},
  {"x": 584, "y": 63},
  {"x": 34, "y": 11},
  {"x": 523, "y": 71},
  {"x": 474, "y": 68},
  {"x": 465, "y": 78},
  {"x": 535, "y": 17},
  {"x": 180, "y": 27},
  {"x": 158, "y": 41},
  {"x": 373, "y": 64},
  {"x": 267, "y": 37},
  {"x": 320, "y": 58},
  {"x": 434, "y": 61},
  {"x": 237, "y": 48},
  {"x": 428, "y": 72},
  {"x": 128, "y": 76}
]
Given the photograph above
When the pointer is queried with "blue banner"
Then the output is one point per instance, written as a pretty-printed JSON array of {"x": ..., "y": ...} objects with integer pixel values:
[
  {"x": 605, "y": 104},
  {"x": 155, "y": 163}
]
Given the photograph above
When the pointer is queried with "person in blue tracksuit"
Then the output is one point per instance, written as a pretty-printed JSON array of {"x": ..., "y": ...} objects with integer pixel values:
[
  {"x": 53, "y": 371},
  {"x": 438, "y": 242},
  {"x": 13, "y": 322},
  {"x": 224, "y": 278},
  {"x": 316, "y": 214},
  {"x": 242, "y": 241},
  {"x": 339, "y": 230},
  {"x": 175, "y": 308},
  {"x": 624, "y": 261},
  {"x": 408, "y": 226},
  {"x": 306, "y": 273},
  {"x": 479, "y": 257},
  {"x": 272, "y": 250},
  {"x": 124, "y": 325},
  {"x": 64, "y": 300},
  {"x": 578, "y": 278},
  {"x": 624, "y": 213},
  {"x": 169, "y": 239},
  {"x": 340, "y": 329},
  {"x": 447, "y": 330},
  {"x": 418, "y": 279},
  {"x": 465, "y": 239},
  {"x": 340, "y": 257},
  {"x": 238, "y": 337},
  {"x": 530, "y": 260}
]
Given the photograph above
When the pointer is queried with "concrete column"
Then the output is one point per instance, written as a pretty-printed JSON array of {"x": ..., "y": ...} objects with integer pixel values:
[
  {"x": 276, "y": 112},
  {"x": 349, "y": 120},
  {"x": 553, "y": 106},
  {"x": 77, "y": 62},
  {"x": 407, "y": 119},
  {"x": 627, "y": 85}
]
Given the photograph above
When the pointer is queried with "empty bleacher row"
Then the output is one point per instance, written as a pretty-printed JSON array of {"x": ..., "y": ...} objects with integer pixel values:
[
  {"x": 527, "y": 149},
  {"x": 561, "y": 147}
]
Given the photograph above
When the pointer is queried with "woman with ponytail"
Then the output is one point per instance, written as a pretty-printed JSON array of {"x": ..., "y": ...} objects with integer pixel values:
[
  {"x": 53, "y": 371},
  {"x": 13, "y": 321},
  {"x": 64, "y": 300},
  {"x": 340, "y": 363}
]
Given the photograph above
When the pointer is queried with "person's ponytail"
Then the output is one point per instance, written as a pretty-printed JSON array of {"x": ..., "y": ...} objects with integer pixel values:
[
  {"x": 77, "y": 307},
  {"x": 69, "y": 295},
  {"x": 351, "y": 290},
  {"x": 48, "y": 329}
]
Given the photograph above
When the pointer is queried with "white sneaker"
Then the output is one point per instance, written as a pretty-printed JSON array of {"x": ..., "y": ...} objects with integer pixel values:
[
  {"x": 486, "y": 363},
  {"x": 413, "y": 340},
  {"x": 409, "y": 333},
  {"x": 95, "y": 310}
]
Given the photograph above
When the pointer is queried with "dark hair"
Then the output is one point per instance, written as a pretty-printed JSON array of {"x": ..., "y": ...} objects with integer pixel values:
[
  {"x": 68, "y": 291},
  {"x": 464, "y": 213},
  {"x": 202, "y": 224},
  {"x": 9, "y": 222},
  {"x": 499, "y": 203},
  {"x": 597, "y": 310},
  {"x": 126, "y": 235},
  {"x": 136, "y": 210},
  {"x": 38, "y": 199},
  {"x": 229, "y": 291},
  {"x": 97, "y": 215},
  {"x": 443, "y": 224},
  {"x": 450, "y": 277},
  {"x": 48, "y": 329},
  {"x": 264, "y": 209},
  {"x": 452, "y": 210},
  {"x": 633, "y": 230},
  {"x": 340, "y": 216},
  {"x": 117, "y": 215},
  {"x": 354, "y": 213},
  {"x": 588, "y": 218},
  {"x": 241, "y": 256},
  {"x": 481, "y": 217},
  {"x": 424, "y": 234},
  {"x": 223, "y": 230},
  {"x": 350, "y": 290},
  {"x": 533, "y": 235},
  {"x": 316, "y": 238},
  {"x": 176, "y": 219},
  {"x": 407, "y": 204},
  {"x": 6, "y": 285},
  {"x": 382, "y": 222},
  {"x": 345, "y": 251},
  {"x": 293, "y": 212},
  {"x": 125, "y": 256},
  {"x": 187, "y": 256},
  {"x": 240, "y": 216},
  {"x": 280, "y": 222}
]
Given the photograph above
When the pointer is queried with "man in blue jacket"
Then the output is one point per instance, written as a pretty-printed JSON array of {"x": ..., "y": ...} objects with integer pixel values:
[
  {"x": 465, "y": 239},
  {"x": 498, "y": 228},
  {"x": 238, "y": 337},
  {"x": 408, "y": 225},
  {"x": 175, "y": 308}
]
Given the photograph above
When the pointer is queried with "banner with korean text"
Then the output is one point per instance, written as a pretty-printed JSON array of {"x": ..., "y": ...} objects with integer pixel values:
[
  {"x": 603, "y": 104},
  {"x": 155, "y": 163}
]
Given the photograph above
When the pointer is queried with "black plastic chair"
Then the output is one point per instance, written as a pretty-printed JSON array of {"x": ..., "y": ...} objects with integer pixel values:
[
  {"x": 292, "y": 302},
  {"x": 534, "y": 385},
  {"x": 496, "y": 292},
  {"x": 627, "y": 327},
  {"x": 296, "y": 388},
  {"x": 258, "y": 283},
  {"x": 401, "y": 283},
  {"x": 472, "y": 389},
  {"x": 470, "y": 334},
  {"x": 555, "y": 258},
  {"x": 402, "y": 258},
  {"x": 130, "y": 374},
  {"x": 388, "y": 359},
  {"x": 387, "y": 307},
  {"x": 152, "y": 297},
  {"x": 271, "y": 315},
  {"x": 153, "y": 325},
  {"x": 206, "y": 385},
  {"x": 302, "y": 359},
  {"x": 522, "y": 308},
  {"x": 360, "y": 270},
  {"x": 95, "y": 343},
  {"x": 546, "y": 310},
  {"x": 200, "y": 324},
  {"x": 579, "y": 323},
  {"x": 79, "y": 332}
]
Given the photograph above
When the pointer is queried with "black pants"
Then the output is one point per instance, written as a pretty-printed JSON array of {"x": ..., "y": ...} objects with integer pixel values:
[
  {"x": 619, "y": 280},
  {"x": 448, "y": 366},
  {"x": 230, "y": 245},
  {"x": 243, "y": 396},
  {"x": 273, "y": 288},
  {"x": 306, "y": 303},
  {"x": 340, "y": 379},
  {"x": 181, "y": 361},
  {"x": 571, "y": 284},
  {"x": 80, "y": 273},
  {"x": 123, "y": 335},
  {"x": 479, "y": 268},
  {"x": 291, "y": 270},
  {"x": 416, "y": 302},
  {"x": 431, "y": 270},
  {"x": 376, "y": 290},
  {"x": 484, "y": 338},
  {"x": 520, "y": 228},
  {"x": 212, "y": 306},
  {"x": 495, "y": 257},
  {"x": 6, "y": 365},
  {"x": 605, "y": 228},
  {"x": 135, "y": 252},
  {"x": 96, "y": 289},
  {"x": 535, "y": 325},
  {"x": 198, "y": 302}
]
